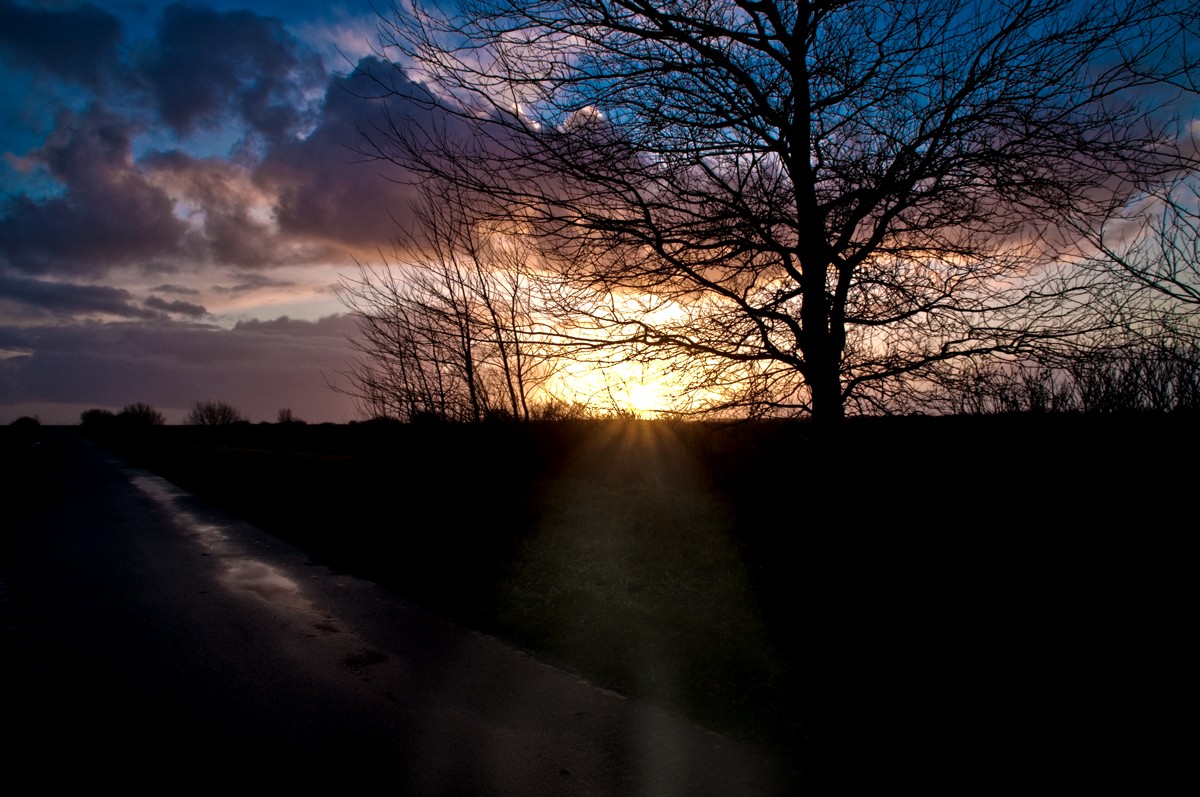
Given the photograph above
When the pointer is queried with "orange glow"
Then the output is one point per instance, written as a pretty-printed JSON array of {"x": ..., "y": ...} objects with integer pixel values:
[{"x": 621, "y": 387}]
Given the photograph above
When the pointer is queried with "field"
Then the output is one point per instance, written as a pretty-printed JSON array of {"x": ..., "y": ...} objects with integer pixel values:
[{"x": 916, "y": 590}]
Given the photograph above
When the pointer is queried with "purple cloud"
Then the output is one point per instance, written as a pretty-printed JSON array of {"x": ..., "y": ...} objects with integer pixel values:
[
  {"x": 221, "y": 191},
  {"x": 109, "y": 214},
  {"x": 172, "y": 365},
  {"x": 311, "y": 199},
  {"x": 30, "y": 298},
  {"x": 179, "y": 290},
  {"x": 326, "y": 187},
  {"x": 177, "y": 307},
  {"x": 335, "y": 325},
  {"x": 247, "y": 282},
  {"x": 206, "y": 65}
]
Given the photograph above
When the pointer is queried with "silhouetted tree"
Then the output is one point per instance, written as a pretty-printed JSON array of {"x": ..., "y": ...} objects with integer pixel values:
[
  {"x": 811, "y": 205},
  {"x": 212, "y": 413},
  {"x": 451, "y": 336},
  {"x": 1144, "y": 274},
  {"x": 286, "y": 417}
]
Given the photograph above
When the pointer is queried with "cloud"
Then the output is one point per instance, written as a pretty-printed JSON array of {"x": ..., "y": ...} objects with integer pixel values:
[
  {"x": 206, "y": 65},
  {"x": 337, "y": 325},
  {"x": 311, "y": 199},
  {"x": 30, "y": 298},
  {"x": 247, "y": 283},
  {"x": 108, "y": 215},
  {"x": 79, "y": 45},
  {"x": 346, "y": 182},
  {"x": 174, "y": 364},
  {"x": 325, "y": 186},
  {"x": 180, "y": 290},
  {"x": 230, "y": 216},
  {"x": 167, "y": 212},
  {"x": 177, "y": 307}
]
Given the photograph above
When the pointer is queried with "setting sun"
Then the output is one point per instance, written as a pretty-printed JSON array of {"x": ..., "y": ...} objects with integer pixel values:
[
  {"x": 621, "y": 387},
  {"x": 645, "y": 399}
]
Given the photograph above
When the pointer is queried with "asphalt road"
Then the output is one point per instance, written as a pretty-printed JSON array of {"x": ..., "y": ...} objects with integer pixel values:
[{"x": 150, "y": 642}]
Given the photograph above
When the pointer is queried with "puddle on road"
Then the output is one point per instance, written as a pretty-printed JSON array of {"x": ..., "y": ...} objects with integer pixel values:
[
  {"x": 263, "y": 580},
  {"x": 242, "y": 571}
]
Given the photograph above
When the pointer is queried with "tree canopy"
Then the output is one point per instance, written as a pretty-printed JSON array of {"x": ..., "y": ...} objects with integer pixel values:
[{"x": 813, "y": 206}]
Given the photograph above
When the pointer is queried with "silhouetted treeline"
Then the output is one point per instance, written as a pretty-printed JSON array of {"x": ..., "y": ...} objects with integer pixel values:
[
  {"x": 1164, "y": 379},
  {"x": 133, "y": 416}
]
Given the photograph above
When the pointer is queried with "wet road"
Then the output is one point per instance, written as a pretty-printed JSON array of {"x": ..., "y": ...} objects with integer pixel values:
[{"x": 149, "y": 641}]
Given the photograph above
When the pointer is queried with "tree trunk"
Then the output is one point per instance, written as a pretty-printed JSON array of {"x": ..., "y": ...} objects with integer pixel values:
[{"x": 824, "y": 382}]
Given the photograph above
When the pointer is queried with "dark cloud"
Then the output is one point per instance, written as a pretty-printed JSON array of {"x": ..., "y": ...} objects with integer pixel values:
[
  {"x": 336, "y": 325},
  {"x": 30, "y": 298},
  {"x": 177, "y": 307},
  {"x": 178, "y": 290},
  {"x": 109, "y": 214},
  {"x": 172, "y": 365},
  {"x": 338, "y": 184},
  {"x": 206, "y": 65},
  {"x": 247, "y": 282},
  {"x": 326, "y": 187},
  {"x": 75, "y": 44},
  {"x": 310, "y": 200}
]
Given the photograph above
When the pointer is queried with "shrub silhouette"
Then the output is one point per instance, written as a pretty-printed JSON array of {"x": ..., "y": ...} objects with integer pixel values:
[
  {"x": 97, "y": 418},
  {"x": 138, "y": 415},
  {"x": 213, "y": 413}
]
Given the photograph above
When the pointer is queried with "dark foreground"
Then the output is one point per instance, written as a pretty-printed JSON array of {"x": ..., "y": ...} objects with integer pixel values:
[
  {"x": 151, "y": 643},
  {"x": 920, "y": 603}
]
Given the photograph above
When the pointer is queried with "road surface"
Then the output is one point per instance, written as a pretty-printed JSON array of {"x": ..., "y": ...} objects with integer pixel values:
[{"x": 150, "y": 641}]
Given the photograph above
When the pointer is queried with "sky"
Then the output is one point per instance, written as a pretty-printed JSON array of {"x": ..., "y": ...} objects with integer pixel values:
[
  {"x": 180, "y": 193},
  {"x": 179, "y": 196}
]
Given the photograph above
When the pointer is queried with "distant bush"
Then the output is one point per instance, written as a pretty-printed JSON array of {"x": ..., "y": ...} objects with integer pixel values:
[
  {"x": 213, "y": 413},
  {"x": 380, "y": 420},
  {"x": 97, "y": 418},
  {"x": 555, "y": 409},
  {"x": 24, "y": 432},
  {"x": 139, "y": 414}
]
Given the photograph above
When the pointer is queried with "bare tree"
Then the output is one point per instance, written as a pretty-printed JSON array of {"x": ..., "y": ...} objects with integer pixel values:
[
  {"x": 410, "y": 366},
  {"x": 822, "y": 201},
  {"x": 288, "y": 418},
  {"x": 1130, "y": 379},
  {"x": 450, "y": 332},
  {"x": 1145, "y": 265},
  {"x": 1141, "y": 261},
  {"x": 213, "y": 413}
]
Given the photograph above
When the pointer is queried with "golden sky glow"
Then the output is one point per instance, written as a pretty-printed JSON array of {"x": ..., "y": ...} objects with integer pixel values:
[{"x": 615, "y": 386}]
